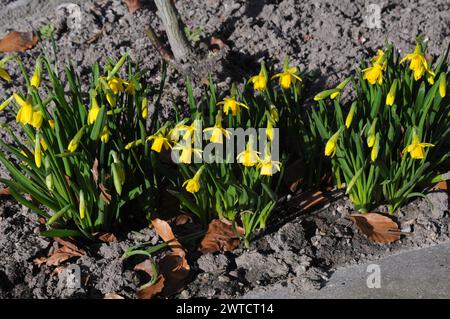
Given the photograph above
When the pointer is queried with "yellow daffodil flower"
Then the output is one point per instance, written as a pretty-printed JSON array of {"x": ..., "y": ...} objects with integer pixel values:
[
  {"x": 374, "y": 74},
  {"x": 193, "y": 184},
  {"x": 287, "y": 77},
  {"x": 175, "y": 133},
  {"x": 217, "y": 133},
  {"x": 51, "y": 123},
  {"x": 159, "y": 140},
  {"x": 390, "y": 98},
  {"x": 186, "y": 153},
  {"x": 93, "y": 112},
  {"x": 378, "y": 58},
  {"x": 25, "y": 113},
  {"x": 418, "y": 64},
  {"x": 331, "y": 146},
  {"x": 230, "y": 103},
  {"x": 249, "y": 157},
  {"x": 351, "y": 113},
  {"x": 416, "y": 148},
  {"x": 131, "y": 88},
  {"x": 37, "y": 119},
  {"x": 259, "y": 81},
  {"x": 442, "y": 85},
  {"x": 104, "y": 136},
  {"x": 116, "y": 85},
  {"x": 267, "y": 166}
]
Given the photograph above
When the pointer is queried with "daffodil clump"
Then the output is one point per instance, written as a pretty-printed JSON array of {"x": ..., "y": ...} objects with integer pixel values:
[
  {"x": 71, "y": 158},
  {"x": 392, "y": 140},
  {"x": 236, "y": 182}
]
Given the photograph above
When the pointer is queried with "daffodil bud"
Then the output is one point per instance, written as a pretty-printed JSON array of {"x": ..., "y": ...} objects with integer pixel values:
[
  {"x": 117, "y": 66},
  {"x": 330, "y": 147},
  {"x": 49, "y": 182},
  {"x": 118, "y": 172},
  {"x": 371, "y": 135},
  {"x": 104, "y": 136},
  {"x": 144, "y": 108},
  {"x": 82, "y": 207},
  {"x": 37, "y": 152},
  {"x": 6, "y": 103},
  {"x": 390, "y": 98},
  {"x": 442, "y": 85},
  {"x": 274, "y": 113},
  {"x": 376, "y": 148},
  {"x": 270, "y": 130},
  {"x": 351, "y": 113},
  {"x": 73, "y": 144},
  {"x": 324, "y": 94},
  {"x": 36, "y": 78}
]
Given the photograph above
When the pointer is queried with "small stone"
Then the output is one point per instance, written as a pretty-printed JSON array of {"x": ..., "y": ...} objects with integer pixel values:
[{"x": 185, "y": 294}]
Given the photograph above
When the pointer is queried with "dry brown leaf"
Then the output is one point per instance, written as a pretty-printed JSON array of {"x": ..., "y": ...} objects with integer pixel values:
[
  {"x": 61, "y": 254},
  {"x": 441, "y": 186},
  {"x": 107, "y": 237},
  {"x": 113, "y": 295},
  {"x": 174, "y": 269},
  {"x": 377, "y": 227},
  {"x": 5, "y": 192},
  {"x": 18, "y": 41},
  {"x": 104, "y": 194},
  {"x": 151, "y": 291},
  {"x": 220, "y": 236},
  {"x": 308, "y": 200},
  {"x": 133, "y": 5},
  {"x": 164, "y": 231},
  {"x": 181, "y": 219},
  {"x": 94, "y": 171}
]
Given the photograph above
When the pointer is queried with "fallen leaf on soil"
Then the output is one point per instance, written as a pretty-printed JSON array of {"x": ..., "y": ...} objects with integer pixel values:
[
  {"x": 308, "y": 199},
  {"x": 113, "y": 295},
  {"x": 181, "y": 219},
  {"x": 63, "y": 253},
  {"x": 157, "y": 287},
  {"x": 133, "y": 5},
  {"x": 18, "y": 41},
  {"x": 174, "y": 269},
  {"x": 377, "y": 227},
  {"x": 5, "y": 192},
  {"x": 107, "y": 237},
  {"x": 164, "y": 231},
  {"x": 441, "y": 186},
  {"x": 151, "y": 291},
  {"x": 220, "y": 236},
  {"x": 216, "y": 44}
]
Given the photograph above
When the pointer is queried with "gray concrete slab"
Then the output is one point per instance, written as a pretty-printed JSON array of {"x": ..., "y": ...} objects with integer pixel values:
[{"x": 423, "y": 273}]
